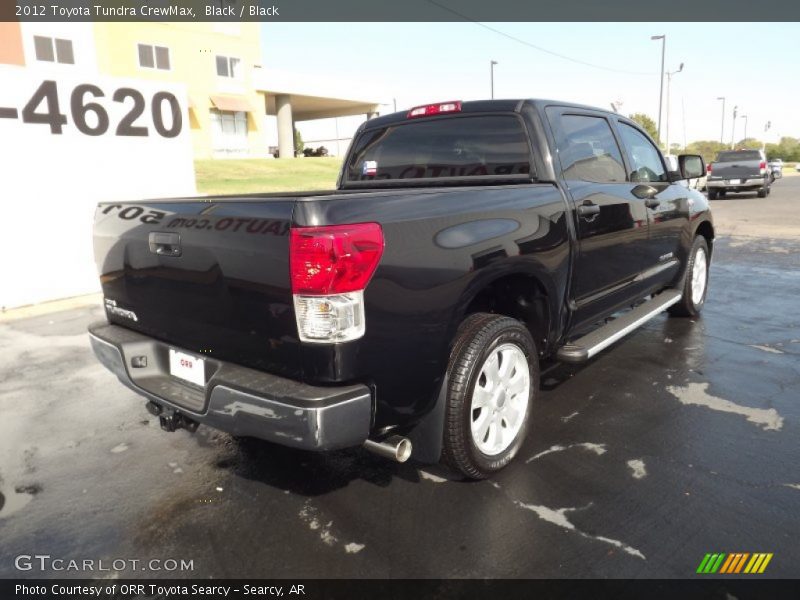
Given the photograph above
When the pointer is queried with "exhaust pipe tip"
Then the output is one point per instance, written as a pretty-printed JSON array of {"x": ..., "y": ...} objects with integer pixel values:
[{"x": 395, "y": 447}]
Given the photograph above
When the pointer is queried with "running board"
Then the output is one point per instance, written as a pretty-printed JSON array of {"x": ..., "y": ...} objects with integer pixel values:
[{"x": 586, "y": 347}]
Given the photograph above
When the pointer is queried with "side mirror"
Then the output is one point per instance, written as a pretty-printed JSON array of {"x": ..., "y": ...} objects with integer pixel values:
[{"x": 691, "y": 166}]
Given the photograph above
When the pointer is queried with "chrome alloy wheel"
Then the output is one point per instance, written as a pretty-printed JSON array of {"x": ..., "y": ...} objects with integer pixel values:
[
  {"x": 699, "y": 276},
  {"x": 500, "y": 399}
]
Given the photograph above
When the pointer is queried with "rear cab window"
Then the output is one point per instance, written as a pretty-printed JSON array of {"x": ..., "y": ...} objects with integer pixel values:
[
  {"x": 464, "y": 148},
  {"x": 735, "y": 155}
]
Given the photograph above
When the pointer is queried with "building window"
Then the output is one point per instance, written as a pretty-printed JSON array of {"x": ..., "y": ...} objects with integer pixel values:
[
  {"x": 229, "y": 131},
  {"x": 154, "y": 57},
  {"x": 227, "y": 66},
  {"x": 53, "y": 50}
]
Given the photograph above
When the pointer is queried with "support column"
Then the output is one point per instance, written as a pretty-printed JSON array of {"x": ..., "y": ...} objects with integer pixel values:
[{"x": 283, "y": 109}]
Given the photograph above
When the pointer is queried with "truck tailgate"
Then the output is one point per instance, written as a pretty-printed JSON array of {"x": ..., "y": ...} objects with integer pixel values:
[
  {"x": 737, "y": 170},
  {"x": 208, "y": 275}
]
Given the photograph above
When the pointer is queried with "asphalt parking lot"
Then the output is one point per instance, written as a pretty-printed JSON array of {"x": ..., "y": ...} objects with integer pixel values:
[{"x": 679, "y": 441}]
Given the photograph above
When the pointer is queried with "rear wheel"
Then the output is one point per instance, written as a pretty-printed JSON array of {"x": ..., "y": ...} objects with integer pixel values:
[
  {"x": 712, "y": 194},
  {"x": 494, "y": 378},
  {"x": 762, "y": 193},
  {"x": 695, "y": 283}
]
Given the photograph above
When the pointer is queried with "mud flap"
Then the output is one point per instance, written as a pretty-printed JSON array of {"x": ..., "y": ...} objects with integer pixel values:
[{"x": 426, "y": 437}]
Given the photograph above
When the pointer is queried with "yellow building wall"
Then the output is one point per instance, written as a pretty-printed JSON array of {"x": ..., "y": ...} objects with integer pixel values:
[{"x": 193, "y": 48}]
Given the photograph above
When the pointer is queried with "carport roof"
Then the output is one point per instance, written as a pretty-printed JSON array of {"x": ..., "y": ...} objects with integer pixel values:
[{"x": 312, "y": 97}]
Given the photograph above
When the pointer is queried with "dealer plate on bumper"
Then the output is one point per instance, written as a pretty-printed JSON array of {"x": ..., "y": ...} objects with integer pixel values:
[{"x": 187, "y": 367}]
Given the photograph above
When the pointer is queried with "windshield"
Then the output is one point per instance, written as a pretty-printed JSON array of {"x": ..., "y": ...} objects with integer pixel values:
[{"x": 473, "y": 146}]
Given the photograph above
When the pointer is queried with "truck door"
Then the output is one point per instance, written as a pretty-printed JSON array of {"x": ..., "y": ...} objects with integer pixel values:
[
  {"x": 610, "y": 223},
  {"x": 667, "y": 204}
]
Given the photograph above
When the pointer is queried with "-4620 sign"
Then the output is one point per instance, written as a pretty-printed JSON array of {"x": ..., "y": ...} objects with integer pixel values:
[{"x": 43, "y": 108}]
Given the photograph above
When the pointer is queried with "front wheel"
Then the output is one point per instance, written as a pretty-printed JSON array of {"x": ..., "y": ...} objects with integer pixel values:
[
  {"x": 494, "y": 378},
  {"x": 695, "y": 283}
]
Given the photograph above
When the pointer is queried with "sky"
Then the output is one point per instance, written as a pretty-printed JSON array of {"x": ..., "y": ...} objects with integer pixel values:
[{"x": 756, "y": 66}]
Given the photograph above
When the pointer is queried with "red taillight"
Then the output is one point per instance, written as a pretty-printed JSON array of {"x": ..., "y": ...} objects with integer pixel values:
[
  {"x": 708, "y": 169},
  {"x": 435, "y": 109},
  {"x": 334, "y": 259},
  {"x": 763, "y": 165}
]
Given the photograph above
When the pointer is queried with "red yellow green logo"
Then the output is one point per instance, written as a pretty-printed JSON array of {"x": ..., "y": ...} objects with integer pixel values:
[{"x": 737, "y": 562}]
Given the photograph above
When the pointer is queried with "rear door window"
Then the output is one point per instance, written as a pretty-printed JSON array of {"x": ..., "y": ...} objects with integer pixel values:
[
  {"x": 474, "y": 146},
  {"x": 588, "y": 150}
]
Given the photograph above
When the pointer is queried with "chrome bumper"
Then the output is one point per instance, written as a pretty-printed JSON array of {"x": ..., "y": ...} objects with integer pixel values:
[
  {"x": 238, "y": 400},
  {"x": 743, "y": 183}
]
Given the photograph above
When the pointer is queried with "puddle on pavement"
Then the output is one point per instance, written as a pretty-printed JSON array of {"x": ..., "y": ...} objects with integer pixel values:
[{"x": 12, "y": 501}]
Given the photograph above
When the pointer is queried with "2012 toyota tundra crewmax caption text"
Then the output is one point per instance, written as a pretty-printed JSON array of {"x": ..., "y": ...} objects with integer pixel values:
[{"x": 408, "y": 310}]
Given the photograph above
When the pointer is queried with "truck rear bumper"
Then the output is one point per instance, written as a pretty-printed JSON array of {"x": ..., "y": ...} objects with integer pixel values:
[
  {"x": 739, "y": 185},
  {"x": 236, "y": 399}
]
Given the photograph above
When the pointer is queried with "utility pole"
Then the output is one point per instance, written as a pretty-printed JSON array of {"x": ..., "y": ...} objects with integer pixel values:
[
  {"x": 733, "y": 127},
  {"x": 663, "y": 39},
  {"x": 722, "y": 130},
  {"x": 669, "y": 81},
  {"x": 492, "y": 63},
  {"x": 766, "y": 129}
]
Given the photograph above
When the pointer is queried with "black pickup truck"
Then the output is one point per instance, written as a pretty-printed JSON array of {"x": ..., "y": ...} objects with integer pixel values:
[{"x": 409, "y": 309}]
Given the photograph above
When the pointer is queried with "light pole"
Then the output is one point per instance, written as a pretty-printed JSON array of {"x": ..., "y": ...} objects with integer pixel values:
[
  {"x": 492, "y": 63},
  {"x": 669, "y": 80},
  {"x": 745, "y": 126},
  {"x": 722, "y": 130},
  {"x": 766, "y": 129},
  {"x": 663, "y": 39},
  {"x": 733, "y": 127}
]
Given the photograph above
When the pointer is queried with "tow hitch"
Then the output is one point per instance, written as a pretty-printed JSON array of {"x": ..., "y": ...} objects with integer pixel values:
[{"x": 170, "y": 419}]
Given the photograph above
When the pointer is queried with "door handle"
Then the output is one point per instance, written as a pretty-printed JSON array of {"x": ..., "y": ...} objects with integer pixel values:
[
  {"x": 644, "y": 192},
  {"x": 652, "y": 203},
  {"x": 588, "y": 209}
]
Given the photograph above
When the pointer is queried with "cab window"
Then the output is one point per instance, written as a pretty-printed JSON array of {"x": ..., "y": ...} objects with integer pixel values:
[
  {"x": 588, "y": 151},
  {"x": 645, "y": 158}
]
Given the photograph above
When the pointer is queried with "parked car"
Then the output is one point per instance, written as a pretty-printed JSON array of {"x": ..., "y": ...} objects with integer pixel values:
[
  {"x": 739, "y": 171},
  {"x": 697, "y": 183},
  {"x": 797, "y": 166},
  {"x": 776, "y": 168},
  {"x": 409, "y": 309}
]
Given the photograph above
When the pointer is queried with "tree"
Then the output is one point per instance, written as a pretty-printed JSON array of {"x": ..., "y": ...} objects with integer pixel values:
[
  {"x": 708, "y": 149},
  {"x": 749, "y": 144},
  {"x": 788, "y": 149},
  {"x": 298, "y": 142},
  {"x": 647, "y": 124}
]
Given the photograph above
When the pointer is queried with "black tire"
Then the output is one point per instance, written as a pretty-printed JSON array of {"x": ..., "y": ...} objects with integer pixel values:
[
  {"x": 762, "y": 193},
  {"x": 712, "y": 194},
  {"x": 478, "y": 336},
  {"x": 686, "y": 307},
  {"x": 723, "y": 193}
]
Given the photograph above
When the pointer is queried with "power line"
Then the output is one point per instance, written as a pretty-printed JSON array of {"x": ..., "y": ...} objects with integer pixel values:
[{"x": 534, "y": 46}]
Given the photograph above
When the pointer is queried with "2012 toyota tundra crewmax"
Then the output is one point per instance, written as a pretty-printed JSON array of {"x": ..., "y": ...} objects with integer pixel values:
[{"x": 407, "y": 310}]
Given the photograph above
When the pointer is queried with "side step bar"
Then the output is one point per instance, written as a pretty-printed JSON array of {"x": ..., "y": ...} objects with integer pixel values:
[{"x": 584, "y": 348}]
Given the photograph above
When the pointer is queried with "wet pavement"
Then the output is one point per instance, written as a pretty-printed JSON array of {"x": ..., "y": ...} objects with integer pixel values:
[{"x": 680, "y": 440}]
